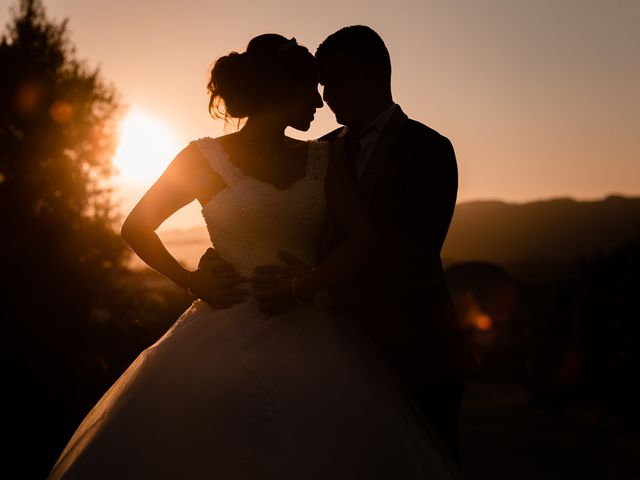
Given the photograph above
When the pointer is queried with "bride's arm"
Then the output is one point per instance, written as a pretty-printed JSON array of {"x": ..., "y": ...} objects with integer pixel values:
[{"x": 176, "y": 188}]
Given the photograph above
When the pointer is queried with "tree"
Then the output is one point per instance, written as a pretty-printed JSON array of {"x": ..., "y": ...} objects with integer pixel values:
[{"x": 60, "y": 254}]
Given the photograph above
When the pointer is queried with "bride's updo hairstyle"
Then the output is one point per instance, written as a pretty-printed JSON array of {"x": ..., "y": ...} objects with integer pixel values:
[{"x": 241, "y": 84}]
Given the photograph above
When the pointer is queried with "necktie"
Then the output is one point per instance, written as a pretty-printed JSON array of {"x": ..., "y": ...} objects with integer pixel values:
[{"x": 352, "y": 149}]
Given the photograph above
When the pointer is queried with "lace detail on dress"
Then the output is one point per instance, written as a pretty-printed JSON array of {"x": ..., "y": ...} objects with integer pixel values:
[
  {"x": 218, "y": 160},
  {"x": 250, "y": 220}
]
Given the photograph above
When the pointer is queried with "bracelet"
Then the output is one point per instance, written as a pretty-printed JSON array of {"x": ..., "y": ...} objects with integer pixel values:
[{"x": 293, "y": 292}]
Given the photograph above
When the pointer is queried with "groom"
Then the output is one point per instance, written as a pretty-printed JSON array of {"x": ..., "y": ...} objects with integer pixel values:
[{"x": 407, "y": 175}]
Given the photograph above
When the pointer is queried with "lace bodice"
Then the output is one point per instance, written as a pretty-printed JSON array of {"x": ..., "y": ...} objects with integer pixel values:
[{"x": 250, "y": 220}]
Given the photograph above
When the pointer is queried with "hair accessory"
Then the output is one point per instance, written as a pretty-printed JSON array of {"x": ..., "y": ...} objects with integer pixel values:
[{"x": 287, "y": 45}]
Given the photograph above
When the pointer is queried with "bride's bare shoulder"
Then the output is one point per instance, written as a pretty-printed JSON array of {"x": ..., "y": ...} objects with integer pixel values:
[
  {"x": 193, "y": 166},
  {"x": 191, "y": 158}
]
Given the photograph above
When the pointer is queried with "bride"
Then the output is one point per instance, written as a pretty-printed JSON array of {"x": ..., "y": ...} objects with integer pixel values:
[{"x": 236, "y": 393}]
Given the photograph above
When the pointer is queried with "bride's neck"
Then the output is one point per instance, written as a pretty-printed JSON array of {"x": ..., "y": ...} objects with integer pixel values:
[{"x": 264, "y": 130}]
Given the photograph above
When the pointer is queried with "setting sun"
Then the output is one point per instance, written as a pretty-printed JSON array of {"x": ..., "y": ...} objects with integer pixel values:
[{"x": 145, "y": 148}]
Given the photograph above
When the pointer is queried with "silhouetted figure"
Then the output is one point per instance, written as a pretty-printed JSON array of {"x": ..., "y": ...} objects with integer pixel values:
[{"x": 407, "y": 174}]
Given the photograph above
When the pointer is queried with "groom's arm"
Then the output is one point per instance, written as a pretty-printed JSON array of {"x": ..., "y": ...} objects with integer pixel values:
[
  {"x": 419, "y": 208},
  {"x": 433, "y": 192}
]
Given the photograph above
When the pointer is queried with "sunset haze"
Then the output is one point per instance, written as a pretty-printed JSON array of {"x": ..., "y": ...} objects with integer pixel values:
[{"x": 540, "y": 99}]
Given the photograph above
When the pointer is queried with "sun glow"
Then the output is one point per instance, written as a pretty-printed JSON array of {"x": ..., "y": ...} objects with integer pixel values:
[{"x": 145, "y": 148}]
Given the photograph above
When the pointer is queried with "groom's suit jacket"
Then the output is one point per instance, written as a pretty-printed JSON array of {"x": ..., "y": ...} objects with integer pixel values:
[{"x": 399, "y": 297}]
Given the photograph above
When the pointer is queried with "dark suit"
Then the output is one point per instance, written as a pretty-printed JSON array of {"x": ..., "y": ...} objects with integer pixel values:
[{"x": 399, "y": 297}]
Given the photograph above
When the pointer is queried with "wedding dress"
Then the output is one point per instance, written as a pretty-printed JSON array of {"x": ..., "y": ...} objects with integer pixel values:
[{"x": 237, "y": 394}]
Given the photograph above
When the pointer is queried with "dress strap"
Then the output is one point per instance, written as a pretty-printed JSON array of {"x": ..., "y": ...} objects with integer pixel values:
[{"x": 218, "y": 160}]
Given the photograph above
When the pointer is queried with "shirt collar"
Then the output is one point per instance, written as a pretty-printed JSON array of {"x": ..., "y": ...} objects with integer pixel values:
[
  {"x": 376, "y": 126},
  {"x": 381, "y": 120}
]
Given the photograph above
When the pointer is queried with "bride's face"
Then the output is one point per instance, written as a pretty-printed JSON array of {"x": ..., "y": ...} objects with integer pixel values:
[{"x": 301, "y": 104}]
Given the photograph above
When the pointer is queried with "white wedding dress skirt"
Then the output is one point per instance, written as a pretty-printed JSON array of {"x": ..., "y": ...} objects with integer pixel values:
[{"x": 237, "y": 394}]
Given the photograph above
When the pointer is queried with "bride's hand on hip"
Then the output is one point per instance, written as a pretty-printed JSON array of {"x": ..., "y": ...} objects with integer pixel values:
[{"x": 216, "y": 281}]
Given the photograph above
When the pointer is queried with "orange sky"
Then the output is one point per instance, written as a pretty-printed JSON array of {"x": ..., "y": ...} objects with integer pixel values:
[{"x": 540, "y": 98}]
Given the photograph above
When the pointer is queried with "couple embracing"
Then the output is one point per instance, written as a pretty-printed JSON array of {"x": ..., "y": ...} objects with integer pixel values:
[{"x": 346, "y": 360}]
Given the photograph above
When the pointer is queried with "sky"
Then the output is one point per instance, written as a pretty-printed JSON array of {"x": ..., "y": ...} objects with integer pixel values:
[{"x": 541, "y": 98}]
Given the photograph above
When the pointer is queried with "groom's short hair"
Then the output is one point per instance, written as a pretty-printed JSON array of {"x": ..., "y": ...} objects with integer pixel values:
[{"x": 361, "y": 43}]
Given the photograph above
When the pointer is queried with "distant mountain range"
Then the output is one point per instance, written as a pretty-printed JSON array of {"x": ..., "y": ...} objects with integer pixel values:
[
  {"x": 552, "y": 230},
  {"x": 557, "y": 230}
]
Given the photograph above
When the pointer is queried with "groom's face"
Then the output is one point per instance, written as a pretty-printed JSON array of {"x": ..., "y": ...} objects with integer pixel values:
[{"x": 345, "y": 88}]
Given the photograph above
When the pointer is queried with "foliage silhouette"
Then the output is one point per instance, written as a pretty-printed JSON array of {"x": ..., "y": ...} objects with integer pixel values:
[{"x": 60, "y": 255}]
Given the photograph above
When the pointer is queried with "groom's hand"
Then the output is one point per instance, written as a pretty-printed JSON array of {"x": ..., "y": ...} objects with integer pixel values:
[
  {"x": 216, "y": 281},
  {"x": 297, "y": 265},
  {"x": 266, "y": 277},
  {"x": 272, "y": 283}
]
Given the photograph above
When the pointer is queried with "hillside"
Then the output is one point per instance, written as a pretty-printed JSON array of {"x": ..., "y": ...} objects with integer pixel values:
[{"x": 552, "y": 230}]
